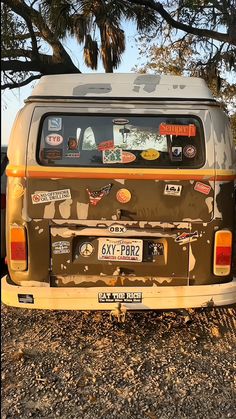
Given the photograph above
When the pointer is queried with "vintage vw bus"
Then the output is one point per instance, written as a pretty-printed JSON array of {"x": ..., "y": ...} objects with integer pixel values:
[{"x": 120, "y": 190}]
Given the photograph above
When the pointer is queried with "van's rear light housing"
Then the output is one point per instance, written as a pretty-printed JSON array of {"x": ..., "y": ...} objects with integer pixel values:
[
  {"x": 222, "y": 252},
  {"x": 18, "y": 248}
]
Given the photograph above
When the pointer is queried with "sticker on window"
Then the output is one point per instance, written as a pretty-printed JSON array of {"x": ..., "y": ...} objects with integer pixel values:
[
  {"x": 54, "y": 139},
  {"x": 106, "y": 145},
  {"x": 178, "y": 130},
  {"x": 176, "y": 154},
  {"x": 52, "y": 154},
  {"x": 54, "y": 124},
  {"x": 112, "y": 156},
  {"x": 72, "y": 148},
  {"x": 128, "y": 157},
  {"x": 150, "y": 154},
  {"x": 42, "y": 197},
  {"x": 120, "y": 121},
  {"x": 190, "y": 151}
]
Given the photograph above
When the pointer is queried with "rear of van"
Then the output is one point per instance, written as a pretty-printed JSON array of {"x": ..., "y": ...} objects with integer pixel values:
[{"x": 120, "y": 190}]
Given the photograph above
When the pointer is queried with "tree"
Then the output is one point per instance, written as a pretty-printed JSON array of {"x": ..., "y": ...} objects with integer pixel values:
[
  {"x": 192, "y": 37},
  {"x": 29, "y": 26},
  {"x": 201, "y": 35}
]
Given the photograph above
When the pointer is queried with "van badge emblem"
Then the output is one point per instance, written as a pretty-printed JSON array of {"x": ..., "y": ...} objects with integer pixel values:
[{"x": 96, "y": 196}]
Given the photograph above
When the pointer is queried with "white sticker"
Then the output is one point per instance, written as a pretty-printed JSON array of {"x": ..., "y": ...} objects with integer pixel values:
[
  {"x": 54, "y": 124},
  {"x": 174, "y": 190},
  {"x": 54, "y": 139},
  {"x": 61, "y": 247},
  {"x": 42, "y": 197}
]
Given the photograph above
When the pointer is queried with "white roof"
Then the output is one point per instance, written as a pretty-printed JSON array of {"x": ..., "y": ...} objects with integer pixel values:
[{"x": 122, "y": 85}]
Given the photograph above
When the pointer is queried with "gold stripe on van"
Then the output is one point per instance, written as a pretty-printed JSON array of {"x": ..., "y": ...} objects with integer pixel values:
[{"x": 39, "y": 172}]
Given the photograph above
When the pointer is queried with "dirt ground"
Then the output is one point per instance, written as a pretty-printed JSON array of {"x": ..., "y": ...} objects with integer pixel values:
[{"x": 155, "y": 366}]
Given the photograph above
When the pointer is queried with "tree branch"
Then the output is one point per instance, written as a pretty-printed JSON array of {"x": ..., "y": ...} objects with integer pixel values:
[
  {"x": 15, "y": 84},
  {"x": 206, "y": 33}
]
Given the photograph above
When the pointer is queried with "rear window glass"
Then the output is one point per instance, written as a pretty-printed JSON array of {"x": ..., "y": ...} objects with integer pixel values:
[{"x": 108, "y": 141}]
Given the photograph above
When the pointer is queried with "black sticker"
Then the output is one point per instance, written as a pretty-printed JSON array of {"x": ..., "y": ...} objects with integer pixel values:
[
  {"x": 176, "y": 153},
  {"x": 26, "y": 298}
]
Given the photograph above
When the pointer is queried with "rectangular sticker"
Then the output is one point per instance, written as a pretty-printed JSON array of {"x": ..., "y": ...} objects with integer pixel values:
[
  {"x": 176, "y": 154},
  {"x": 61, "y": 247},
  {"x": 174, "y": 190},
  {"x": 42, "y": 197},
  {"x": 119, "y": 297},
  {"x": 52, "y": 154},
  {"x": 112, "y": 156},
  {"x": 202, "y": 187},
  {"x": 54, "y": 124},
  {"x": 177, "y": 130}
]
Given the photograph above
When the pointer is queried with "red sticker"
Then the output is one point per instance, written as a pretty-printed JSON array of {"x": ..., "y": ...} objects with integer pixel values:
[
  {"x": 127, "y": 157},
  {"x": 177, "y": 130},
  {"x": 202, "y": 187},
  {"x": 106, "y": 145}
]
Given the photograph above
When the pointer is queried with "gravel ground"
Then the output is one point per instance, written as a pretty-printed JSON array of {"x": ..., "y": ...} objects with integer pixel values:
[{"x": 155, "y": 366}]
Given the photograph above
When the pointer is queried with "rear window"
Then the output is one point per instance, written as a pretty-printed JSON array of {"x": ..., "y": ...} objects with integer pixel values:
[{"x": 108, "y": 141}]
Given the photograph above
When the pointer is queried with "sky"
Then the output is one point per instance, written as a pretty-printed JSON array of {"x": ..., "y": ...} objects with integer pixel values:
[{"x": 13, "y": 100}]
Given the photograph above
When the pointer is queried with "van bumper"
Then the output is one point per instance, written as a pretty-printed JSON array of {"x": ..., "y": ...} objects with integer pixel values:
[{"x": 152, "y": 298}]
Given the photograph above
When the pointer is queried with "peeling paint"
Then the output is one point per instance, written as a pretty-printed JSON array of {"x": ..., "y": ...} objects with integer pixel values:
[
  {"x": 49, "y": 210},
  {"x": 192, "y": 259},
  {"x": 65, "y": 208},
  {"x": 82, "y": 210},
  {"x": 209, "y": 203}
]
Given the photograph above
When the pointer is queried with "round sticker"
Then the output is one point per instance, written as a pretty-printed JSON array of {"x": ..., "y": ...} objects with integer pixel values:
[
  {"x": 123, "y": 196},
  {"x": 54, "y": 139},
  {"x": 128, "y": 157},
  {"x": 150, "y": 154},
  {"x": 190, "y": 151},
  {"x": 86, "y": 249}
]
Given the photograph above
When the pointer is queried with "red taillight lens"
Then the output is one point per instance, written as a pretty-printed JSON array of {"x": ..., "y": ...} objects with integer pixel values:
[
  {"x": 3, "y": 201},
  {"x": 222, "y": 252},
  {"x": 223, "y": 255},
  {"x": 18, "y": 248}
]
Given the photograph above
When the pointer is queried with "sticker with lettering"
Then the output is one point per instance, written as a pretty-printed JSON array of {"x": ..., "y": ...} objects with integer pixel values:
[
  {"x": 173, "y": 190},
  {"x": 54, "y": 124},
  {"x": 43, "y": 197},
  {"x": 61, "y": 247},
  {"x": 112, "y": 156},
  {"x": 176, "y": 154},
  {"x": 150, "y": 154},
  {"x": 178, "y": 130},
  {"x": 190, "y": 151},
  {"x": 202, "y": 187},
  {"x": 106, "y": 145},
  {"x": 120, "y": 121},
  {"x": 52, "y": 154},
  {"x": 54, "y": 139},
  {"x": 123, "y": 297},
  {"x": 72, "y": 148}
]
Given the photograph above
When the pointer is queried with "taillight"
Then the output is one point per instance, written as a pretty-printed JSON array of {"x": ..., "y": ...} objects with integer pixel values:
[
  {"x": 3, "y": 201},
  {"x": 222, "y": 252},
  {"x": 18, "y": 248}
]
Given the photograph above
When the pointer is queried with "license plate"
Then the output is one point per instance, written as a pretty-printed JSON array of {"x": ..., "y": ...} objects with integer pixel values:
[
  {"x": 119, "y": 297},
  {"x": 125, "y": 250}
]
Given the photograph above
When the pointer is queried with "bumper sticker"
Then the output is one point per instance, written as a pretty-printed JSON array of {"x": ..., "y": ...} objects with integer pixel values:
[
  {"x": 150, "y": 154},
  {"x": 173, "y": 190},
  {"x": 96, "y": 196},
  {"x": 54, "y": 124},
  {"x": 119, "y": 297},
  {"x": 42, "y": 197},
  {"x": 54, "y": 139},
  {"x": 178, "y": 130},
  {"x": 202, "y": 187}
]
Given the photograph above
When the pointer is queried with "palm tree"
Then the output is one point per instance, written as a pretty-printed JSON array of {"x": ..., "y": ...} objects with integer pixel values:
[{"x": 90, "y": 20}]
